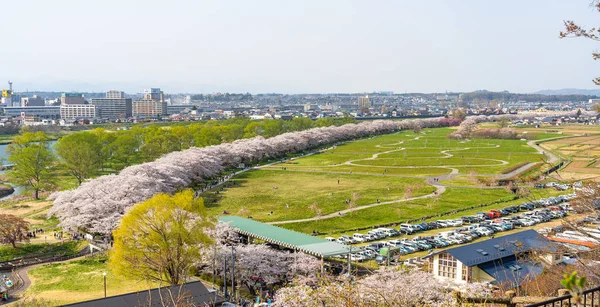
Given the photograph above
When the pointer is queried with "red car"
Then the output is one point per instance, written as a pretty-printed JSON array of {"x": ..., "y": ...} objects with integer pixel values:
[{"x": 494, "y": 214}]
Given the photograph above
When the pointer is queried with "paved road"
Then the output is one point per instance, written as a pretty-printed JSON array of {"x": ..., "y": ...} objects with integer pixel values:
[{"x": 552, "y": 158}]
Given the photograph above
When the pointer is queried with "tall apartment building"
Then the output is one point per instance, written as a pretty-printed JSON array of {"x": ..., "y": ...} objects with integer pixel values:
[
  {"x": 149, "y": 108},
  {"x": 153, "y": 104},
  {"x": 114, "y": 106},
  {"x": 35, "y": 101},
  {"x": 72, "y": 98},
  {"x": 77, "y": 111},
  {"x": 115, "y": 94},
  {"x": 364, "y": 103},
  {"x": 154, "y": 94}
]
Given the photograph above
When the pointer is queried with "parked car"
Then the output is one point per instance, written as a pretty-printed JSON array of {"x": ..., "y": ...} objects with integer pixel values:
[{"x": 359, "y": 237}]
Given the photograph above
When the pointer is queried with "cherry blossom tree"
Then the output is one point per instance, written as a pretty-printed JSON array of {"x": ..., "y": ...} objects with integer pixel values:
[
  {"x": 385, "y": 287},
  {"x": 258, "y": 264},
  {"x": 98, "y": 204}
]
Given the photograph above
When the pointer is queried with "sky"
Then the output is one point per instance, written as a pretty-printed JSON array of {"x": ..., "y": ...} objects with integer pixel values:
[{"x": 308, "y": 46}]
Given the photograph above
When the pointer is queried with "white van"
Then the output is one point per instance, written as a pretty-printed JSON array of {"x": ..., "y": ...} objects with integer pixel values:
[
  {"x": 409, "y": 226},
  {"x": 359, "y": 237},
  {"x": 445, "y": 234}
]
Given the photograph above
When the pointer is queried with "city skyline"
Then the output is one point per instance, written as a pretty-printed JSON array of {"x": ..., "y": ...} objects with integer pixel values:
[{"x": 308, "y": 47}]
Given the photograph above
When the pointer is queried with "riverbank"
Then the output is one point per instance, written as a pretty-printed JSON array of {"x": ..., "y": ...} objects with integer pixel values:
[{"x": 6, "y": 190}]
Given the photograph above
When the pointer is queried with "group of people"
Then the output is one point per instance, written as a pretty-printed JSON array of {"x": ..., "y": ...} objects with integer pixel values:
[
  {"x": 33, "y": 234},
  {"x": 58, "y": 235}
]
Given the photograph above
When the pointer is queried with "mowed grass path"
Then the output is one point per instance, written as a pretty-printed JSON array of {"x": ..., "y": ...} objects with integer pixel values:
[
  {"x": 258, "y": 192},
  {"x": 369, "y": 167},
  {"x": 454, "y": 198},
  {"x": 418, "y": 154}
]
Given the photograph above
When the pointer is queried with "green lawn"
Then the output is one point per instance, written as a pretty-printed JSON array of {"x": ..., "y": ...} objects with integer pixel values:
[
  {"x": 454, "y": 198},
  {"x": 79, "y": 280},
  {"x": 7, "y": 252},
  {"x": 259, "y": 192},
  {"x": 369, "y": 167}
]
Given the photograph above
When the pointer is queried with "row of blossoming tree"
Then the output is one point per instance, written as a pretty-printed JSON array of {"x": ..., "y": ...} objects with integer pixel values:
[{"x": 98, "y": 204}]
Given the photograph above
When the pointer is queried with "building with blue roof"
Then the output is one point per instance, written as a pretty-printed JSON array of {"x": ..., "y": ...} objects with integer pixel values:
[{"x": 499, "y": 261}]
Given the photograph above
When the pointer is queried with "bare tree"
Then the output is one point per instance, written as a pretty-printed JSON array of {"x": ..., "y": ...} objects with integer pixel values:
[
  {"x": 13, "y": 229},
  {"x": 573, "y": 30}
]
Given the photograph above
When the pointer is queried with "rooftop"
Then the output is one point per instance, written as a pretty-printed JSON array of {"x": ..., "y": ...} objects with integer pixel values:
[
  {"x": 192, "y": 292},
  {"x": 498, "y": 248},
  {"x": 286, "y": 238}
]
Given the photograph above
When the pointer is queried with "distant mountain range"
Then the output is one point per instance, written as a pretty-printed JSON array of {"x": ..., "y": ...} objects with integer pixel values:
[{"x": 569, "y": 91}]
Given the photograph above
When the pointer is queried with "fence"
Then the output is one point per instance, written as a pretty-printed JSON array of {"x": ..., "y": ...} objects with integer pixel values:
[
  {"x": 554, "y": 168},
  {"x": 590, "y": 297},
  {"x": 23, "y": 262}
]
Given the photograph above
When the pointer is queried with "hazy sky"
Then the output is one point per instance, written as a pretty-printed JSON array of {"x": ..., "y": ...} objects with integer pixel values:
[{"x": 295, "y": 46}]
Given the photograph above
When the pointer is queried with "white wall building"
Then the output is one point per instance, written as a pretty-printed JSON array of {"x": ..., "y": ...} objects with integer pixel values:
[{"x": 77, "y": 111}]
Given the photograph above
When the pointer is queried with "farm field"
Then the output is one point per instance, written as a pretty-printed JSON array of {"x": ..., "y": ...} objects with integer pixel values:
[
  {"x": 392, "y": 178},
  {"x": 583, "y": 153}
]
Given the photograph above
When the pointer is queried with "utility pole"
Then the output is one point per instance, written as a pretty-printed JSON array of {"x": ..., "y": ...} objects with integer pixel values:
[
  {"x": 225, "y": 277},
  {"x": 349, "y": 264},
  {"x": 215, "y": 268},
  {"x": 104, "y": 274},
  {"x": 232, "y": 271}
]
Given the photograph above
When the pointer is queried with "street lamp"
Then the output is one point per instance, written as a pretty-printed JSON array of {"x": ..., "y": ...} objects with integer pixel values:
[{"x": 104, "y": 275}]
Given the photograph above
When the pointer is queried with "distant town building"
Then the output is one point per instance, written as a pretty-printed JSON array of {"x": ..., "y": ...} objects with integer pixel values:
[
  {"x": 594, "y": 101},
  {"x": 153, "y": 94},
  {"x": 7, "y": 96},
  {"x": 72, "y": 98},
  {"x": 364, "y": 103},
  {"x": 35, "y": 101},
  {"x": 178, "y": 108},
  {"x": 77, "y": 111},
  {"x": 152, "y": 105},
  {"x": 149, "y": 108},
  {"x": 114, "y": 106},
  {"x": 310, "y": 107},
  {"x": 115, "y": 94},
  {"x": 45, "y": 112}
]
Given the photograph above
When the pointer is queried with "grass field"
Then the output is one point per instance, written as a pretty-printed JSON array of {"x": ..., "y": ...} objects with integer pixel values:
[
  {"x": 78, "y": 280},
  {"x": 379, "y": 168},
  {"x": 7, "y": 252},
  {"x": 258, "y": 193},
  {"x": 454, "y": 198}
]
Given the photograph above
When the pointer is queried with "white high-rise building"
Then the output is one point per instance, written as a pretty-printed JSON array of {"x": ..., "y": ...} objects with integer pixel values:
[{"x": 115, "y": 94}]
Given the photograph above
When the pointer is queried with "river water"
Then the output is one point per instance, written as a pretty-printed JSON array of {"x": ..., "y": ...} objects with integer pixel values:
[{"x": 4, "y": 160}]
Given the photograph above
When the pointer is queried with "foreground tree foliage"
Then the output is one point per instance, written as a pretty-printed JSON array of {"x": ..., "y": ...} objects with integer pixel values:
[
  {"x": 257, "y": 266},
  {"x": 81, "y": 154},
  {"x": 385, "y": 287},
  {"x": 32, "y": 158},
  {"x": 13, "y": 229},
  {"x": 160, "y": 239}
]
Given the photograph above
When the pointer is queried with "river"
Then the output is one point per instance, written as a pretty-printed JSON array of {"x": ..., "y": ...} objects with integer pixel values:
[{"x": 4, "y": 160}]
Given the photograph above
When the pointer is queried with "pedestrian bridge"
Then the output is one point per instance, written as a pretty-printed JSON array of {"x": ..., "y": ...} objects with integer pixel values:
[{"x": 286, "y": 238}]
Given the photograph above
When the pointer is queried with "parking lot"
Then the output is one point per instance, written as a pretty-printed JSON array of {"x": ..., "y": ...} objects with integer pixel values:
[{"x": 419, "y": 239}]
